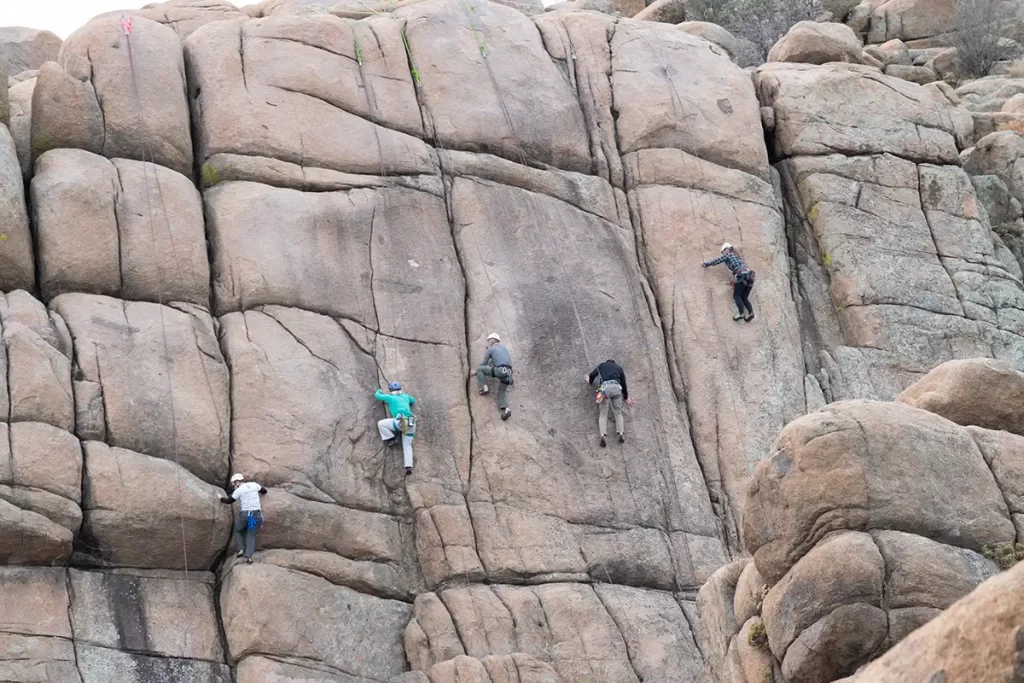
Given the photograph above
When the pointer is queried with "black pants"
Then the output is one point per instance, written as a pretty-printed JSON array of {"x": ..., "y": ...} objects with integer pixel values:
[{"x": 741, "y": 295}]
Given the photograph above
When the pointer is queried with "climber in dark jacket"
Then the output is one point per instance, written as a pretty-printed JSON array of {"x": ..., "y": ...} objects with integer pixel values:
[
  {"x": 610, "y": 379},
  {"x": 742, "y": 280}
]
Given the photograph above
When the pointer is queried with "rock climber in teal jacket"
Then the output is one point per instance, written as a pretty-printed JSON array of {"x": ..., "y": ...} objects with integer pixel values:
[{"x": 402, "y": 421}]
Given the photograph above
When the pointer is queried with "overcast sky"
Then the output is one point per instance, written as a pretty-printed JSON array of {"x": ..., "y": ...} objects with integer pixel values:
[{"x": 63, "y": 17}]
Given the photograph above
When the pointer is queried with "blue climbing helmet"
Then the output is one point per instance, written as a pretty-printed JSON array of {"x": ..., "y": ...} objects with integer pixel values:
[{"x": 394, "y": 386}]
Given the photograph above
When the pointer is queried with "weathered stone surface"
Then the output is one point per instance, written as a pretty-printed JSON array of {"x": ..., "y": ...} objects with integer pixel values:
[
  {"x": 582, "y": 634},
  {"x": 843, "y": 569},
  {"x": 982, "y": 392},
  {"x": 811, "y": 42},
  {"x": 21, "y": 122},
  {"x": 289, "y": 615},
  {"x": 514, "y": 508},
  {"x": 35, "y": 632},
  {"x": 1003, "y": 451},
  {"x": 179, "y": 524},
  {"x": 122, "y": 228},
  {"x": 749, "y": 662},
  {"x": 922, "y": 75},
  {"x": 738, "y": 48},
  {"x": 17, "y": 268},
  {"x": 170, "y": 400},
  {"x": 663, "y": 11},
  {"x": 976, "y": 639},
  {"x": 910, "y": 19},
  {"x": 24, "y": 49},
  {"x": 990, "y": 93},
  {"x": 963, "y": 120},
  {"x": 718, "y": 622},
  {"x": 826, "y": 467},
  {"x": 100, "y": 664},
  {"x": 184, "y": 16},
  {"x": 40, "y": 492},
  {"x": 648, "y": 99},
  {"x": 333, "y": 114},
  {"x": 37, "y": 373},
  {"x": 814, "y": 116},
  {"x": 711, "y": 205},
  {"x": 891, "y": 52},
  {"x": 168, "y": 614},
  {"x": 105, "y": 104},
  {"x": 475, "y": 102}
]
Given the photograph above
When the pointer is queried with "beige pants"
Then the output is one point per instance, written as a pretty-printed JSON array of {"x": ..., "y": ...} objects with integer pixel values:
[{"x": 612, "y": 397}]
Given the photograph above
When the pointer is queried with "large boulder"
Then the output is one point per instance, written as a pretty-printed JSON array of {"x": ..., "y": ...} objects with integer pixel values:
[
  {"x": 40, "y": 492},
  {"x": 977, "y": 639},
  {"x": 287, "y": 615},
  {"x": 664, "y": 11},
  {"x": 169, "y": 400},
  {"x": 811, "y": 42},
  {"x": 122, "y": 228},
  {"x": 20, "y": 96},
  {"x": 983, "y": 392},
  {"x": 17, "y": 266},
  {"x": 179, "y": 524},
  {"x": 911, "y": 20},
  {"x": 24, "y": 49},
  {"x": 740, "y": 50},
  {"x": 841, "y": 469},
  {"x": 116, "y": 95}
]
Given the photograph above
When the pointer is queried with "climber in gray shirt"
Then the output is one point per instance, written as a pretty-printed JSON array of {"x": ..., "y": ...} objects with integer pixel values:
[{"x": 496, "y": 363}]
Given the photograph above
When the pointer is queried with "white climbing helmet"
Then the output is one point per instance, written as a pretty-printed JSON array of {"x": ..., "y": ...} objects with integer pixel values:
[
  {"x": 494, "y": 336},
  {"x": 237, "y": 477},
  {"x": 726, "y": 247}
]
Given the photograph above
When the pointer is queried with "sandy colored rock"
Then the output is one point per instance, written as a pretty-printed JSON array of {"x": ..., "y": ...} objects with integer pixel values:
[
  {"x": 981, "y": 392},
  {"x": 910, "y": 19},
  {"x": 21, "y": 122},
  {"x": 747, "y": 661},
  {"x": 66, "y": 113},
  {"x": 647, "y": 99},
  {"x": 100, "y": 664},
  {"x": 1003, "y": 451},
  {"x": 990, "y": 93},
  {"x": 737, "y": 48},
  {"x": 718, "y": 625},
  {"x": 922, "y": 75},
  {"x": 750, "y": 592},
  {"x": 975, "y": 639},
  {"x": 891, "y": 52},
  {"x": 811, "y": 42},
  {"x": 171, "y": 401},
  {"x": 843, "y": 569},
  {"x": 663, "y": 11},
  {"x": 181, "y": 515},
  {"x": 330, "y": 114},
  {"x": 285, "y": 614},
  {"x": 138, "y": 120},
  {"x": 963, "y": 120},
  {"x": 157, "y": 613},
  {"x": 17, "y": 268},
  {"x": 184, "y": 16},
  {"x": 122, "y": 228},
  {"x": 894, "y": 492},
  {"x": 23, "y": 49},
  {"x": 474, "y": 102},
  {"x": 903, "y": 119}
]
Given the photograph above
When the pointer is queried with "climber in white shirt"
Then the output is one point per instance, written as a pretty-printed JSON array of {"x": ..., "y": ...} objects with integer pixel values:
[{"x": 250, "y": 515}]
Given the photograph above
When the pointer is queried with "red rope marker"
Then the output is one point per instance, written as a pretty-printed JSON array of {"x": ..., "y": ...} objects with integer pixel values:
[{"x": 126, "y": 24}]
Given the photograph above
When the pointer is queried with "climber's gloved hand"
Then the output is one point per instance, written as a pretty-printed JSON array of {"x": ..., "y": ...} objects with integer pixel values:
[{"x": 225, "y": 499}]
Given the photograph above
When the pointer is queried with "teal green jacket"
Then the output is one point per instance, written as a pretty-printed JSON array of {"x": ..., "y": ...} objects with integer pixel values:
[{"x": 398, "y": 404}]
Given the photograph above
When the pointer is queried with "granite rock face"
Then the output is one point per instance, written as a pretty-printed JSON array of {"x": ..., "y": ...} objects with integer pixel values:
[{"x": 223, "y": 229}]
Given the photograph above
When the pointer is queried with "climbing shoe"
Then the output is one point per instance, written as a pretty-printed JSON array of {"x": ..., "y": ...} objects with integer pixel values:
[
  {"x": 622, "y": 438},
  {"x": 484, "y": 390},
  {"x": 738, "y": 317},
  {"x": 604, "y": 441},
  {"x": 408, "y": 471},
  {"x": 749, "y": 317},
  {"x": 392, "y": 441},
  {"x": 505, "y": 413},
  {"x": 248, "y": 560},
  {"x": 240, "y": 553}
]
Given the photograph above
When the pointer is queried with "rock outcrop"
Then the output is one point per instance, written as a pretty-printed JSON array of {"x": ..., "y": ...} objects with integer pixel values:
[
  {"x": 221, "y": 231},
  {"x": 859, "y": 536}
]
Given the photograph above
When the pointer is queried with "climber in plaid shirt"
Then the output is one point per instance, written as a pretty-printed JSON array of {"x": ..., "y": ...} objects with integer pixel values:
[{"x": 743, "y": 280}]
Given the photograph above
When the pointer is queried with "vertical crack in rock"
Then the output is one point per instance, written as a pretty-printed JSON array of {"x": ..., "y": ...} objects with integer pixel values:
[
  {"x": 630, "y": 655},
  {"x": 69, "y": 587},
  {"x": 995, "y": 479},
  {"x": 99, "y": 98},
  {"x": 118, "y": 192}
]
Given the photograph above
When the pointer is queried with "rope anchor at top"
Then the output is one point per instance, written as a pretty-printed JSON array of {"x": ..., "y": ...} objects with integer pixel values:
[{"x": 126, "y": 24}]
